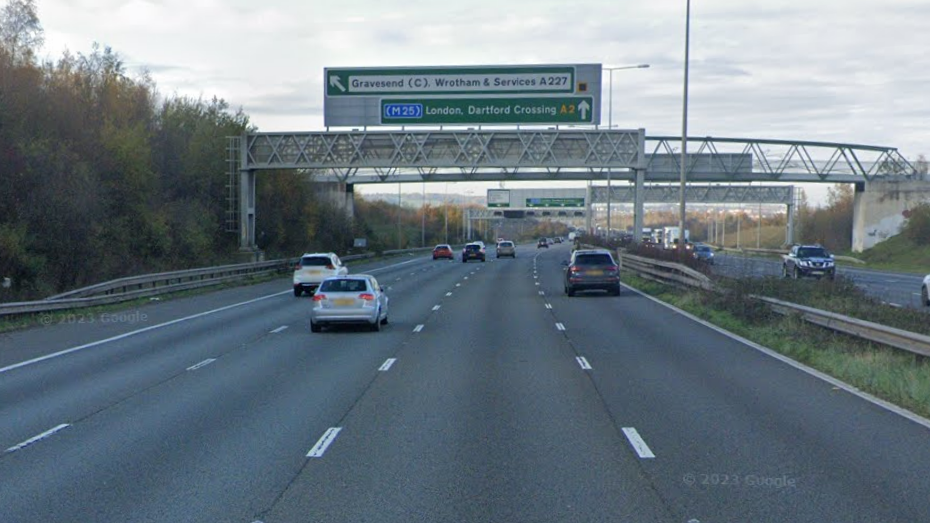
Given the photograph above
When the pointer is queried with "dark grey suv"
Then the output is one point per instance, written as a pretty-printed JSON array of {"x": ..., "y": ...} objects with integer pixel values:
[
  {"x": 592, "y": 270},
  {"x": 808, "y": 260}
]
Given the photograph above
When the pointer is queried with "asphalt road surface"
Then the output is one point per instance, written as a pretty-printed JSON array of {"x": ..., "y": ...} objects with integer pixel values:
[
  {"x": 490, "y": 397},
  {"x": 899, "y": 289}
]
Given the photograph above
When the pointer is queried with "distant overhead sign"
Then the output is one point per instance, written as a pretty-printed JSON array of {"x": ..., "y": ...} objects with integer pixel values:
[
  {"x": 535, "y": 94},
  {"x": 498, "y": 198},
  {"x": 554, "y": 202}
]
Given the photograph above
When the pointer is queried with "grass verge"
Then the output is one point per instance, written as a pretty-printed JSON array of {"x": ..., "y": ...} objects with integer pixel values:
[{"x": 893, "y": 375}]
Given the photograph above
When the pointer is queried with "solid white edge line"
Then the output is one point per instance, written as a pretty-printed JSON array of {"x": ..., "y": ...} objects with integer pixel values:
[
  {"x": 387, "y": 364},
  {"x": 583, "y": 362},
  {"x": 279, "y": 329},
  {"x": 34, "y": 439},
  {"x": 901, "y": 411},
  {"x": 203, "y": 363},
  {"x": 639, "y": 445},
  {"x": 161, "y": 325},
  {"x": 418, "y": 328},
  {"x": 324, "y": 442}
]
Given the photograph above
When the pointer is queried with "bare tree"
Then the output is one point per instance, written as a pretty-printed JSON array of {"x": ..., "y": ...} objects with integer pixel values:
[{"x": 21, "y": 33}]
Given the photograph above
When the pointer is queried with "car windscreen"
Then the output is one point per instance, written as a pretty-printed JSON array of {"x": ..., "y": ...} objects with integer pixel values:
[
  {"x": 593, "y": 259},
  {"x": 315, "y": 261},
  {"x": 702, "y": 248},
  {"x": 812, "y": 252},
  {"x": 344, "y": 286}
]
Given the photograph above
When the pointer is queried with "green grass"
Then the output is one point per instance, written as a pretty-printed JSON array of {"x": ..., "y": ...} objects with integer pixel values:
[
  {"x": 897, "y": 254},
  {"x": 896, "y": 376}
]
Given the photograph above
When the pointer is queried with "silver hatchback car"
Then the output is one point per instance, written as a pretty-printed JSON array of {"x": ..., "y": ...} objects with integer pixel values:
[{"x": 351, "y": 299}]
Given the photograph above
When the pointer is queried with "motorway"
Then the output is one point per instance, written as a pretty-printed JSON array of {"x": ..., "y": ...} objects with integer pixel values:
[
  {"x": 490, "y": 397},
  {"x": 898, "y": 289}
]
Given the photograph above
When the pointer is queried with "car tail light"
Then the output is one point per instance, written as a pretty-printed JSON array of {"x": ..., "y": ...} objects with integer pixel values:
[
  {"x": 574, "y": 269},
  {"x": 297, "y": 267},
  {"x": 367, "y": 296},
  {"x": 613, "y": 268},
  {"x": 319, "y": 297},
  {"x": 330, "y": 266}
]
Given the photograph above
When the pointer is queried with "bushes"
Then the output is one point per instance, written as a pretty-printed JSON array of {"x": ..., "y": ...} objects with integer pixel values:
[{"x": 917, "y": 228}]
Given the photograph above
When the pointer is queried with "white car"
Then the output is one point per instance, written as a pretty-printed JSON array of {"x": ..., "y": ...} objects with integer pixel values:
[
  {"x": 357, "y": 299},
  {"x": 314, "y": 268},
  {"x": 925, "y": 291}
]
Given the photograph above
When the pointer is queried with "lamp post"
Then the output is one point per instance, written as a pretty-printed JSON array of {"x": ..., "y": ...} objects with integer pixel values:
[
  {"x": 610, "y": 124},
  {"x": 684, "y": 136}
]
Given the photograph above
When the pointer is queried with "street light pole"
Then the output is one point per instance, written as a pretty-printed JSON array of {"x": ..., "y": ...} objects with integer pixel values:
[
  {"x": 684, "y": 137},
  {"x": 610, "y": 125}
]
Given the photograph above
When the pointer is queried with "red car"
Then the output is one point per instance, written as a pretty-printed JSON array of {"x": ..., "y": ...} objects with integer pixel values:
[{"x": 443, "y": 251}]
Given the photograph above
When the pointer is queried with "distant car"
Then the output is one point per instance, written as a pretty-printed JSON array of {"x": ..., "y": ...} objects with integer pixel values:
[
  {"x": 808, "y": 260},
  {"x": 925, "y": 291},
  {"x": 542, "y": 243},
  {"x": 557, "y": 239},
  {"x": 473, "y": 251},
  {"x": 355, "y": 299},
  {"x": 506, "y": 248},
  {"x": 704, "y": 253},
  {"x": 592, "y": 269},
  {"x": 314, "y": 268},
  {"x": 500, "y": 240},
  {"x": 443, "y": 251}
]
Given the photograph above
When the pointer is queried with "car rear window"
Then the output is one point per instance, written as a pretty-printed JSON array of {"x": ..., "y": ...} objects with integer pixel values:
[
  {"x": 506, "y": 244},
  {"x": 441, "y": 247},
  {"x": 594, "y": 259},
  {"x": 344, "y": 286},
  {"x": 472, "y": 247},
  {"x": 812, "y": 252},
  {"x": 315, "y": 261}
]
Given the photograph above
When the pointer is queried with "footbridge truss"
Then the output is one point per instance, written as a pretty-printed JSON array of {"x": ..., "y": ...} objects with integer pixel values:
[{"x": 561, "y": 154}]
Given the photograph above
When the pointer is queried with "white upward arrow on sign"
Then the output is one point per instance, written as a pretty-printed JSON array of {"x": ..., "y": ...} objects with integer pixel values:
[
  {"x": 334, "y": 81},
  {"x": 583, "y": 108}
]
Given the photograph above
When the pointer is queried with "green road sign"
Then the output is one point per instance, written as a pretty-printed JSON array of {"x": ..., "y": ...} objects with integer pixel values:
[
  {"x": 555, "y": 202},
  {"x": 450, "y": 111},
  {"x": 452, "y": 80}
]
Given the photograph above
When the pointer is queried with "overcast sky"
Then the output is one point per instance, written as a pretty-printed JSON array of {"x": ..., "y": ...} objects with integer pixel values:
[{"x": 830, "y": 70}]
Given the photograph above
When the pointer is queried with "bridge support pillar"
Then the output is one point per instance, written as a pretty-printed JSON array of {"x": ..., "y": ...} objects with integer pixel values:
[
  {"x": 589, "y": 209},
  {"x": 789, "y": 228},
  {"x": 247, "y": 211},
  {"x": 639, "y": 197},
  {"x": 349, "y": 204},
  {"x": 880, "y": 208}
]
